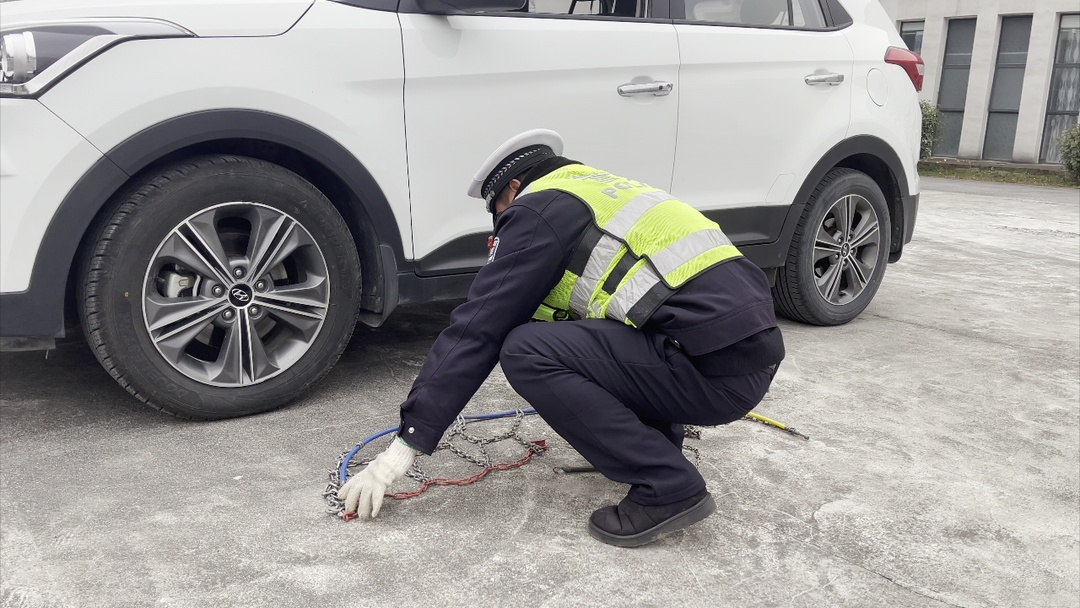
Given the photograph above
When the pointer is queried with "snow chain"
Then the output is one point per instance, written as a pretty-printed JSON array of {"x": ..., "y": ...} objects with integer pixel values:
[
  {"x": 457, "y": 430},
  {"x": 482, "y": 459}
]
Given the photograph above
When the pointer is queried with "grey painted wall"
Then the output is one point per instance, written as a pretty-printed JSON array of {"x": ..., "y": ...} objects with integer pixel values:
[{"x": 1040, "y": 61}]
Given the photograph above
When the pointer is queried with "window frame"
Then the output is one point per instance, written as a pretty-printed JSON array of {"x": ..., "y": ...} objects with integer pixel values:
[
  {"x": 836, "y": 18},
  {"x": 945, "y": 69},
  {"x": 652, "y": 8},
  {"x": 1053, "y": 69},
  {"x": 657, "y": 11},
  {"x": 900, "y": 30},
  {"x": 999, "y": 68}
]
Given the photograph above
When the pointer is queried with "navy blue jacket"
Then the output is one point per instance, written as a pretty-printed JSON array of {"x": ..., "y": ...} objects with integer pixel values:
[{"x": 536, "y": 234}]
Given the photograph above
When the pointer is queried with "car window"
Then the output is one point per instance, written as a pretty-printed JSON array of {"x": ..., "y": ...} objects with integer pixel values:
[
  {"x": 617, "y": 9},
  {"x": 760, "y": 13},
  {"x": 807, "y": 13},
  {"x": 623, "y": 8}
]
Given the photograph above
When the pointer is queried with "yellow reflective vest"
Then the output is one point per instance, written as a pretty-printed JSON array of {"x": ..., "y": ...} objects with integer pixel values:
[{"x": 643, "y": 245}]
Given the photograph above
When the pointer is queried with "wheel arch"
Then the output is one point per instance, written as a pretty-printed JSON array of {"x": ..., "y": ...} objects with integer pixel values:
[
  {"x": 880, "y": 171},
  {"x": 876, "y": 158},
  {"x": 41, "y": 310},
  {"x": 865, "y": 153}
]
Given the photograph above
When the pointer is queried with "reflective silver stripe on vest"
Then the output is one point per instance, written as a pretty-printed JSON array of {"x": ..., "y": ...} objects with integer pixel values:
[
  {"x": 625, "y": 218},
  {"x": 632, "y": 291},
  {"x": 601, "y": 257},
  {"x": 687, "y": 248}
]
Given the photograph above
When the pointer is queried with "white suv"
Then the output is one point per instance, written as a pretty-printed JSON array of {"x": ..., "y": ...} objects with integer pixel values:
[{"x": 217, "y": 191}]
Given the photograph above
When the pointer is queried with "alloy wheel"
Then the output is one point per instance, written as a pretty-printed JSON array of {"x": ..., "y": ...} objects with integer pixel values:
[
  {"x": 846, "y": 249},
  {"x": 235, "y": 294}
]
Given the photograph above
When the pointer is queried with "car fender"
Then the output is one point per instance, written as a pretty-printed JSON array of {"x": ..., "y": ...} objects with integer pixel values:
[{"x": 39, "y": 311}]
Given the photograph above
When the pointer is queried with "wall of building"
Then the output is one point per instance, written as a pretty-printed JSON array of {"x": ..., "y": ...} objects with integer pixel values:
[{"x": 1040, "y": 61}]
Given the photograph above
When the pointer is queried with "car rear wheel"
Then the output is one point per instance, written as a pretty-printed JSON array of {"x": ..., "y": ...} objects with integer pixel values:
[
  {"x": 223, "y": 286},
  {"x": 838, "y": 253}
]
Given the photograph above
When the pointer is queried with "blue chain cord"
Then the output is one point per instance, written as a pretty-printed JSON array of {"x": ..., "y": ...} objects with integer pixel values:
[{"x": 343, "y": 471}]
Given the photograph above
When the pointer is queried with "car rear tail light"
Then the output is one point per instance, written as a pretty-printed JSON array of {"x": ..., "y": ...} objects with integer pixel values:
[{"x": 911, "y": 62}]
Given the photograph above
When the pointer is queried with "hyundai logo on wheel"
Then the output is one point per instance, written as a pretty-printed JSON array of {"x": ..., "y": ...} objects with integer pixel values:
[{"x": 240, "y": 295}]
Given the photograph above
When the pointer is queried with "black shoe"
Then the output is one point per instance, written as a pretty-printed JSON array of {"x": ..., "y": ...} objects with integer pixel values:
[{"x": 632, "y": 525}]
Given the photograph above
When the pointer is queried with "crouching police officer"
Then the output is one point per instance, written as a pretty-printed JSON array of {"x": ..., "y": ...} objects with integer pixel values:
[{"x": 659, "y": 322}]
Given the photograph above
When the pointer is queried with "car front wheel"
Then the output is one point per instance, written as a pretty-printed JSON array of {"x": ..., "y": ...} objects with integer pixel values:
[
  {"x": 838, "y": 253},
  {"x": 223, "y": 286}
]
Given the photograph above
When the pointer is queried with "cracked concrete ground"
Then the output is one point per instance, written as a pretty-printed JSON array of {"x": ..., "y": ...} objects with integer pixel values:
[{"x": 943, "y": 469}]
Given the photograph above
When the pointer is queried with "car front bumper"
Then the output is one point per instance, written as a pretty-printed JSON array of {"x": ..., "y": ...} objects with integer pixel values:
[
  {"x": 41, "y": 158},
  {"x": 41, "y": 161}
]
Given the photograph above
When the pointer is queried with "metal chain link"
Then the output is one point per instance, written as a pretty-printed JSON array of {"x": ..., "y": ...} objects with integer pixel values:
[
  {"x": 692, "y": 432},
  {"x": 336, "y": 506}
]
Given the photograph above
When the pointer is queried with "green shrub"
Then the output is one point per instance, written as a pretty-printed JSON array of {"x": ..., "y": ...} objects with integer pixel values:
[
  {"x": 931, "y": 128},
  {"x": 1069, "y": 144}
]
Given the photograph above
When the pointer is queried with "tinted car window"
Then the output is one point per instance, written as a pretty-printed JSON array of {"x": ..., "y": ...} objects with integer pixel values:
[
  {"x": 761, "y": 13},
  {"x": 624, "y": 8}
]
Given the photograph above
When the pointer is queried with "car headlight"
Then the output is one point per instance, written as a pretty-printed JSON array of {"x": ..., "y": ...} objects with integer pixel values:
[{"x": 34, "y": 56}]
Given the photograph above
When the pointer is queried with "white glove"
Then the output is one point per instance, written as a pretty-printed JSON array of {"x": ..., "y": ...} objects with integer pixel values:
[{"x": 369, "y": 486}]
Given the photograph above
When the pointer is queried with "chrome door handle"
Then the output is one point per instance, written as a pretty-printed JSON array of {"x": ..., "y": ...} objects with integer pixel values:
[
  {"x": 655, "y": 88},
  {"x": 829, "y": 79}
]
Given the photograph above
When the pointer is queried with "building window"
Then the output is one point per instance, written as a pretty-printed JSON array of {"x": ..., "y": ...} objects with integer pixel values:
[
  {"x": 1008, "y": 85},
  {"x": 911, "y": 32},
  {"x": 954, "y": 84},
  {"x": 1064, "y": 102}
]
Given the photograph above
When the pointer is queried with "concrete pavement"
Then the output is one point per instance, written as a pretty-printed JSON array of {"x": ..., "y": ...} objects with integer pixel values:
[{"x": 943, "y": 469}]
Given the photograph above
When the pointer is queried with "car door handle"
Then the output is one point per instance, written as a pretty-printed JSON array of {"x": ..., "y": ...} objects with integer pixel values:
[
  {"x": 657, "y": 88},
  {"x": 829, "y": 79}
]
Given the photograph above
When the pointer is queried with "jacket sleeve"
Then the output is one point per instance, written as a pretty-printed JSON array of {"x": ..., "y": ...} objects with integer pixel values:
[{"x": 525, "y": 265}]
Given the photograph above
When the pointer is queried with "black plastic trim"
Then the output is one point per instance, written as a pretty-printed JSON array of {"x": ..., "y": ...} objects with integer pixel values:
[
  {"x": 417, "y": 289},
  {"x": 835, "y": 14},
  {"x": 750, "y": 225},
  {"x": 744, "y": 226},
  {"x": 911, "y": 210},
  {"x": 39, "y": 311},
  {"x": 387, "y": 297},
  {"x": 464, "y": 254}
]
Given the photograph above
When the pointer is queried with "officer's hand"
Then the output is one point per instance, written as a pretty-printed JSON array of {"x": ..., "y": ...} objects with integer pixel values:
[{"x": 363, "y": 492}]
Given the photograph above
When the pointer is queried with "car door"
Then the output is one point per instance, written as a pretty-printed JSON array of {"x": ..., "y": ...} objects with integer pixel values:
[
  {"x": 761, "y": 101},
  {"x": 474, "y": 80}
]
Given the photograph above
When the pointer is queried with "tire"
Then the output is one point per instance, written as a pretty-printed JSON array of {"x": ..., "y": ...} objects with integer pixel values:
[
  {"x": 832, "y": 271},
  {"x": 220, "y": 287}
]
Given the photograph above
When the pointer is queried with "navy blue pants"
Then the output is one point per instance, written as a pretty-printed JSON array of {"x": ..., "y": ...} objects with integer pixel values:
[{"x": 621, "y": 396}]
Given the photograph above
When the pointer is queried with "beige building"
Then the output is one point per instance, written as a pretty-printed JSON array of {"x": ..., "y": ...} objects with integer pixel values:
[{"x": 1005, "y": 73}]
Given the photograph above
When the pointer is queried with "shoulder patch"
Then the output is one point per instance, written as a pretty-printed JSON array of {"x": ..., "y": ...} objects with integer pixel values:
[{"x": 493, "y": 247}]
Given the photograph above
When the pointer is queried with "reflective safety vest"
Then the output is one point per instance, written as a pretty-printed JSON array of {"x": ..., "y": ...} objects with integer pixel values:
[{"x": 643, "y": 245}]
